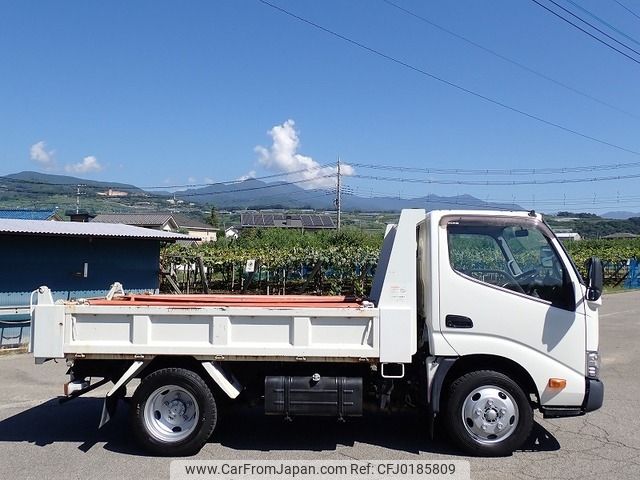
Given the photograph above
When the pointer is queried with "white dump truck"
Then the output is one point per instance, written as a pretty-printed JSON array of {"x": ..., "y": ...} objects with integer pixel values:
[{"x": 474, "y": 317}]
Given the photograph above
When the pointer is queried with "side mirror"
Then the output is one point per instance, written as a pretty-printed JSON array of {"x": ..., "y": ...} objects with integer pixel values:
[{"x": 595, "y": 279}]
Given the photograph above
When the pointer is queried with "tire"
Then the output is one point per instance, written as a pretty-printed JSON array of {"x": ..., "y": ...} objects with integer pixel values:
[
  {"x": 173, "y": 412},
  {"x": 487, "y": 414}
]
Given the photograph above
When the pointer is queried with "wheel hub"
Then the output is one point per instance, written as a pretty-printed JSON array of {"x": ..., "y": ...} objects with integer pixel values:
[
  {"x": 490, "y": 414},
  {"x": 176, "y": 409},
  {"x": 171, "y": 413}
]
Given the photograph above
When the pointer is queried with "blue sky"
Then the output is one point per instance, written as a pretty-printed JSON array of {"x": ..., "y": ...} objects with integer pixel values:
[{"x": 159, "y": 93}]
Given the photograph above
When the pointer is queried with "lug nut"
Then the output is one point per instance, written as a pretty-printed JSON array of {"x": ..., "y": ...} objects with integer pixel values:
[
  {"x": 484, "y": 427},
  {"x": 478, "y": 412},
  {"x": 500, "y": 426}
]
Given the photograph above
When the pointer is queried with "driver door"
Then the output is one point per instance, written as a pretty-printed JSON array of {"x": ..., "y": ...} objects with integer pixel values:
[{"x": 508, "y": 290}]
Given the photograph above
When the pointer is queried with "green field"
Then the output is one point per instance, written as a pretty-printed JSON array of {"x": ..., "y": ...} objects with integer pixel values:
[{"x": 330, "y": 262}]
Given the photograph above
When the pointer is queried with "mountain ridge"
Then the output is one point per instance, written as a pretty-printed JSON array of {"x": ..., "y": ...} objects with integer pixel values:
[
  {"x": 31, "y": 177},
  {"x": 250, "y": 193},
  {"x": 620, "y": 215}
]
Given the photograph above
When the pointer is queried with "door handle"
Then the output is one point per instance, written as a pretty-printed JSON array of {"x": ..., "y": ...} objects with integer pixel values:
[{"x": 458, "y": 321}]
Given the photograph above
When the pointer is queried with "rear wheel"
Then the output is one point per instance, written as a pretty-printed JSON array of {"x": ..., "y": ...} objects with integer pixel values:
[
  {"x": 487, "y": 414},
  {"x": 173, "y": 412}
]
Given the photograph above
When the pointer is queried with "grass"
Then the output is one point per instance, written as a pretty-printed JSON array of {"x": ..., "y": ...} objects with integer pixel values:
[{"x": 618, "y": 289}]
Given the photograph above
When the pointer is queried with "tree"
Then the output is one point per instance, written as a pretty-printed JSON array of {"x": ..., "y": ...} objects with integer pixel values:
[
  {"x": 577, "y": 215},
  {"x": 213, "y": 217}
]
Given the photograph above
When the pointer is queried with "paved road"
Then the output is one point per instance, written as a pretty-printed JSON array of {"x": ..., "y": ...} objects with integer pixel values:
[{"x": 41, "y": 439}]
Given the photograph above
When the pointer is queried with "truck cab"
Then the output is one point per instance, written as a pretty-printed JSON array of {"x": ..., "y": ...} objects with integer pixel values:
[{"x": 505, "y": 321}]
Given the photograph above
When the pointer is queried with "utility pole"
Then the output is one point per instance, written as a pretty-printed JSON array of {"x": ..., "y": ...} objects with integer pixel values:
[
  {"x": 78, "y": 193},
  {"x": 339, "y": 196}
]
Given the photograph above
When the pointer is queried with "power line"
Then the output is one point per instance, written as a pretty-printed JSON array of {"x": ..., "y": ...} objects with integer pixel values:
[
  {"x": 494, "y": 204},
  {"x": 619, "y": 200},
  {"x": 585, "y": 31},
  {"x": 446, "y": 82},
  {"x": 506, "y": 171},
  {"x": 616, "y": 199},
  {"x": 509, "y": 60},
  {"x": 324, "y": 193},
  {"x": 626, "y": 201},
  {"x": 251, "y": 189},
  {"x": 494, "y": 182},
  {"x": 579, "y": 201},
  {"x": 164, "y": 187},
  {"x": 603, "y": 21},
  {"x": 231, "y": 182},
  {"x": 231, "y": 191},
  {"x": 627, "y": 9},
  {"x": 426, "y": 200},
  {"x": 622, "y": 44}
]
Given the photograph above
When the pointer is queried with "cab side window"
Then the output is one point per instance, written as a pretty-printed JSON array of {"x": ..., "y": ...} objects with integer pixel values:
[
  {"x": 478, "y": 256},
  {"x": 512, "y": 257}
]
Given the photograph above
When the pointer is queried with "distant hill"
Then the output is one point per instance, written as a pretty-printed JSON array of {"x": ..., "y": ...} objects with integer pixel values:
[
  {"x": 621, "y": 215},
  {"x": 41, "y": 189},
  {"x": 254, "y": 193},
  {"x": 33, "y": 180},
  {"x": 430, "y": 202}
]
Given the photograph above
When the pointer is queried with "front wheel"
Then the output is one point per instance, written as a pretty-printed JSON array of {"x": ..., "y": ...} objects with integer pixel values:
[
  {"x": 487, "y": 414},
  {"x": 173, "y": 412}
]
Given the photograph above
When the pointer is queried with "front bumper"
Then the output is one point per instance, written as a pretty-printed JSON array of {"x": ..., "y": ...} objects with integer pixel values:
[
  {"x": 594, "y": 396},
  {"x": 593, "y": 400}
]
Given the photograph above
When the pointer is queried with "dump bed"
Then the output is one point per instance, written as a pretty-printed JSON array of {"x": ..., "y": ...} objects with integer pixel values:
[
  {"x": 273, "y": 301},
  {"x": 230, "y": 327},
  {"x": 246, "y": 327}
]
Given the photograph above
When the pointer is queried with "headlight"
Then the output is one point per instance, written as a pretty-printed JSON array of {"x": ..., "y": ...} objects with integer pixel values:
[{"x": 593, "y": 364}]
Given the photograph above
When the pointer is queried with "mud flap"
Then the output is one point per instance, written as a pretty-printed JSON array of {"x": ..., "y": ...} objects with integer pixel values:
[
  {"x": 433, "y": 406},
  {"x": 108, "y": 410},
  {"x": 111, "y": 401}
]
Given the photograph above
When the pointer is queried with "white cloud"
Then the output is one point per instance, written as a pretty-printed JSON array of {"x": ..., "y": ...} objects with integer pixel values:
[
  {"x": 251, "y": 174},
  {"x": 283, "y": 157},
  {"x": 88, "y": 164},
  {"x": 191, "y": 180},
  {"x": 43, "y": 157}
]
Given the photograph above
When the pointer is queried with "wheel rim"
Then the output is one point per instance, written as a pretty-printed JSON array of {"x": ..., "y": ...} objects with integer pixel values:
[
  {"x": 171, "y": 414},
  {"x": 490, "y": 414}
]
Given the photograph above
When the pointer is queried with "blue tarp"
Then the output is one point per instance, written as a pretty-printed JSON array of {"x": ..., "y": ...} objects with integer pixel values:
[{"x": 633, "y": 278}]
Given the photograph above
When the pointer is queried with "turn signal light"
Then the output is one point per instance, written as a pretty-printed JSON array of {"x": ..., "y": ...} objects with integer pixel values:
[{"x": 559, "y": 383}]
